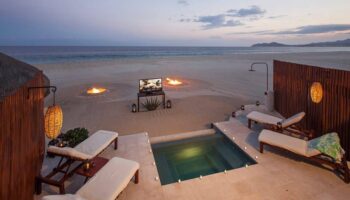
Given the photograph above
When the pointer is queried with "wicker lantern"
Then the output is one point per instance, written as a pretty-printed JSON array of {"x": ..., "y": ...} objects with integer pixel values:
[
  {"x": 316, "y": 92},
  {"x": 53, "y": 121}
]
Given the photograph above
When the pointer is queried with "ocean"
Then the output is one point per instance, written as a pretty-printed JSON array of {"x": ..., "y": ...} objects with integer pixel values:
[{"x": 58, "y": 54}]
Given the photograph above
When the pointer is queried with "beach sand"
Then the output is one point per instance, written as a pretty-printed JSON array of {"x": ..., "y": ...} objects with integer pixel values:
[{"x": 215, "y": 86}]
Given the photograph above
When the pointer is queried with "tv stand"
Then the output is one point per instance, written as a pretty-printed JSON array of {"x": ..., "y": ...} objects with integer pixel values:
[{"x": 149, "y": 94}]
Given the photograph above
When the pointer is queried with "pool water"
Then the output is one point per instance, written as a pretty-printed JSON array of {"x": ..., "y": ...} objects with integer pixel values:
[{"x": 199, "y": 156}]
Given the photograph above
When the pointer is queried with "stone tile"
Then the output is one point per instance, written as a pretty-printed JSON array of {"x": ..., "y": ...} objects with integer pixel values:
[{"x": 278, "y": 174}]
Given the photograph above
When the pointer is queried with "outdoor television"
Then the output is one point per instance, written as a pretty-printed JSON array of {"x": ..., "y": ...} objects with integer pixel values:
[{"x": 150, "y": 85}]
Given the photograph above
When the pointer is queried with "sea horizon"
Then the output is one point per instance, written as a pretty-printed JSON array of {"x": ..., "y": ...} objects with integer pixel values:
[{"x": 59, "y": 54}]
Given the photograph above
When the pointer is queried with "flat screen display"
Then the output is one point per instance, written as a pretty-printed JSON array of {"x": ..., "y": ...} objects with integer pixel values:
[{"x": 150, "y": 85}]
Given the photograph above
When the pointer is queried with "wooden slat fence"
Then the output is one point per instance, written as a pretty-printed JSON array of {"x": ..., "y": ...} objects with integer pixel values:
[
  {"x": 22, "y": 140},
  {"x": 292, "y": 82}
]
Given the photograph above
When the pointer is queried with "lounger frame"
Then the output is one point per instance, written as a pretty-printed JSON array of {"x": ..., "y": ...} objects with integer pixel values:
[
  {"x": 65, "y": 169},
  {"x": 292, "y": 129},
  {"x": 341, "y": 167}
]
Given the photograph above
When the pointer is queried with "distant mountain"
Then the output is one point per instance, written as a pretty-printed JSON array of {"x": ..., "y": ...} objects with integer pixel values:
[{"x": 339, "y": 43}]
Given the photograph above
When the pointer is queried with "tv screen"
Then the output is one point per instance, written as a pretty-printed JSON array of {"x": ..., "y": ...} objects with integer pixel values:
[{"x": 150, "y": 85}]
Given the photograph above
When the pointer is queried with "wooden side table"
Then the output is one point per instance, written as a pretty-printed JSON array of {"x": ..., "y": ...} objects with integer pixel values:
[{"x": 99, "y": 162}]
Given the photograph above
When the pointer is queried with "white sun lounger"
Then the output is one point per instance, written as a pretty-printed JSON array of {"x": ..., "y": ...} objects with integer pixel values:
[
  {"x": 107, "y": 184},
  {"x": 86, "y": 150},
  {"x": 274, "y": 121},
  {"x": 296, "y": 145},
  {"x": 89, "y": 148},
  {"x": 301, "y": 147}
]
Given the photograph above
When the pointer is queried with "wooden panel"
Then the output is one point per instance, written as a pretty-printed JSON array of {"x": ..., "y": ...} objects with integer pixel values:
[
  {"x": 22, "y": 141},
  {"x": 292, "y": 84}
]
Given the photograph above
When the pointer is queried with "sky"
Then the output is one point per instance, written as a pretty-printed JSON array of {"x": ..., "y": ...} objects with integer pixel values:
[{"x": 172, "y": 22}]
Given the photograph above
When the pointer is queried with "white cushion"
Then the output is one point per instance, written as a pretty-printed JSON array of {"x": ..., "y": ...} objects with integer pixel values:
[
  {"x": 293, "y": 119},
  {"x": 110, "y": 180},
  {"x": 69, "y": 152},
  {"x": 263, "y": 118},
  {"x": 290, "y": 143},
  {"x": 89, "y": 148},
  {"x": 63, "y": 197}
]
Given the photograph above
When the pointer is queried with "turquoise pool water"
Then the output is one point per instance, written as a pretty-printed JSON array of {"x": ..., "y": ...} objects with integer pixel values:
[{"x": 199, "y": 156}]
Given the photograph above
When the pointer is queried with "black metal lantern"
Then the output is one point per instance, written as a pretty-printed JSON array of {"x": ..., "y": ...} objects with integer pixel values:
[
  {"x": 233, "y": 114},
  {"x": 168, "y": 104},
  {"x": 133, "y": 108},
  {"x": 257, "y": 103},
  {"x": 279, "y": 125},
  {"x": 242, "y": 107}
]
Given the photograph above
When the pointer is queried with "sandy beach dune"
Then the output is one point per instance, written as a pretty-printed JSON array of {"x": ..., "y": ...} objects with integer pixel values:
[{"x": 215, "y": 86}]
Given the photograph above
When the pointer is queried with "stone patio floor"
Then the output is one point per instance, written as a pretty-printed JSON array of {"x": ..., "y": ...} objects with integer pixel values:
[{"x": 278, "y": 174}]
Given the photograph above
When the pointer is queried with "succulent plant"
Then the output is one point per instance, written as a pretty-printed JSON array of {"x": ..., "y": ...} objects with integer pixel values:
[{"x": 151, "y": 104}]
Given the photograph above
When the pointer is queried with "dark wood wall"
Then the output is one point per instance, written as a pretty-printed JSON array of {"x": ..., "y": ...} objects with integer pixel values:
[
  {"x": 292, "y": 84},
  {"x": 22, "y": 141}
]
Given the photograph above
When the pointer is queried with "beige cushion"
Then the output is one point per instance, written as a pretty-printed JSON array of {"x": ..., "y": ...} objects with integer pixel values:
[
  {"x": 63, "y": 197},
  {"x": 293, "y": 119},
  {"x": 263, "y": 118},
  {"x": 290, "y": 143},
  {"x": 69, "y": 152},
  {"x": 110, "y": 180},
  {"x": 89, "y": 148}
]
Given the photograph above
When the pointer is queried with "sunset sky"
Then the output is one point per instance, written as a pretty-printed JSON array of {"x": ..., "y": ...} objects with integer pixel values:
[{"x": 172, "y": 22}]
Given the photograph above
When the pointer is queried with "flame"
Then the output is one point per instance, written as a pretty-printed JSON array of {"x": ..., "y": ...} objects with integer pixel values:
[
  {"x": 95, "y": 90},
  {"x": 173, "y": 81}
]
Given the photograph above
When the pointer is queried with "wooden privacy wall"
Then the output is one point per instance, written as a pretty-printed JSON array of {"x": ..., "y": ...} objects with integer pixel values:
[
  {"x": 292, "y": 82},
  {"x": 22, "y": 140}
]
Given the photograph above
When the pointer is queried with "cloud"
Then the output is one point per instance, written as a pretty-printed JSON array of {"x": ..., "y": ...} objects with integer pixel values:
[
  {"x": 217, "y": 21},
  {"x": 277, "y": 16},
  {"x": 230, "y": 18},
  {"x": 315, "y": 29},
  {"x": 253, "y": 11},
  {"x": 263, "y": 32},
  {"x": 186, "y": 20},
  {"x": 183, "y": 2}
]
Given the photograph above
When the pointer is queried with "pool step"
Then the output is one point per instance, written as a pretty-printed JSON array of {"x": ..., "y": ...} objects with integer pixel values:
[
  {"x": 213, "y": 158},
  {"x": 234, "y": 161}
]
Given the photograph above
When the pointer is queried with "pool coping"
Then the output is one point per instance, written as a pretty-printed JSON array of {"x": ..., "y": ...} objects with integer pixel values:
[{"x": 223, "y": 127}]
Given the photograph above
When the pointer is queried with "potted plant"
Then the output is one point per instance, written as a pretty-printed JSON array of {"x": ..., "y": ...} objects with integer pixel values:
[{"x": 75, "y": 136}]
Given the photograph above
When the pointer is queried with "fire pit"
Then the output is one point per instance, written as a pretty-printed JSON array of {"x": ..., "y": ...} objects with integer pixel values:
[
  {"x": 173, "y": 82},
  {"x": 95, "y": 90}
]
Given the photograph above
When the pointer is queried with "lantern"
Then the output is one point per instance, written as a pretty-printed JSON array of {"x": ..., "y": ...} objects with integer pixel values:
[
  {"x": 316, "y": 92},
  {"x": 53, "y": 121},
  {"x": 242, "y": 107},
  {"x": 233, "y": 114},
  {"x": 133, "y": 108},
  {"x": 168, "y": 104},
  {"x": 257, "y": 103}
]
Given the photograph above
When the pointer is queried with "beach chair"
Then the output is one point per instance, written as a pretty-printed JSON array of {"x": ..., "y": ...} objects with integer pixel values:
[
  {"x": 86, "y": 150},
  {"x": 302, "y": 148},
  {"x": 107, "y": 183},
  {"x": 278, "y": 124}
]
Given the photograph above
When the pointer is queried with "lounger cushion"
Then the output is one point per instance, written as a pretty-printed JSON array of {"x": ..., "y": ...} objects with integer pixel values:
[
  {"x": 290, "y": 143},
  {"x": 293, "y": 119},
  {"x": 263, "y": 118},
  {"x": 110, "y": 180},
  {"x": 89, "y": 148},
  {"x": 63, "y": 197},
  {"x": 69, "y": 152},
  {"x": 96, "y": 143}
]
